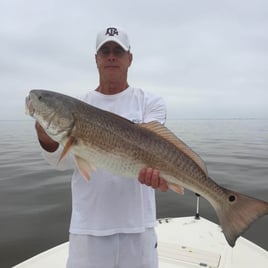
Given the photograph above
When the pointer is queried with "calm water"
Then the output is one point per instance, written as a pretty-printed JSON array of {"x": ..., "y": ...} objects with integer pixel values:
[{"x": 35, "y": 199}]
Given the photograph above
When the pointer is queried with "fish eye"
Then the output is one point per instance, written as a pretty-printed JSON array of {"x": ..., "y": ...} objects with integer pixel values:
[{"x": 232, "y": 198}]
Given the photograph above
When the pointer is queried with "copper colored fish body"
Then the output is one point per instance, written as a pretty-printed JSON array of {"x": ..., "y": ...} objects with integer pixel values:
[{"x": 100, "y": 139}]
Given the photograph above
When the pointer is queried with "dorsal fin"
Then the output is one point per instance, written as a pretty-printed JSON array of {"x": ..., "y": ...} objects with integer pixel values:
[{"x": 164, "y": 132}]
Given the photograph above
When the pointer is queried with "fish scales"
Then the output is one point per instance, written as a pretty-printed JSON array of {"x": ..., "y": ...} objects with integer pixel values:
[
  {"x": 129, "y": 142},
  {"x": 142, "y": 147},
  {"x": 105, "y": 140},
  {"x": 144, "y": 150}
]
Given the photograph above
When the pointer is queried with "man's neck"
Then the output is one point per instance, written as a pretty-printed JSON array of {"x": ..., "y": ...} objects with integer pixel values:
[{"x": 112, "y": 88}]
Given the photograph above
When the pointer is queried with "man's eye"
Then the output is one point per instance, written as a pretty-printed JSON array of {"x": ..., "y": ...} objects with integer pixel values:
[
  {"x": 118, "y": 51},
  {"x": 105, "y": 51}
]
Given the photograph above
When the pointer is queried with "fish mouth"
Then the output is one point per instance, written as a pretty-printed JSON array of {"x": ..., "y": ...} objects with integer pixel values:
[{"x": 29, "y": 109}]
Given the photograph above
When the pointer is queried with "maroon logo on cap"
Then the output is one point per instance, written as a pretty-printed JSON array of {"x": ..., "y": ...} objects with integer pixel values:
[{"x": 111, "y": 31}]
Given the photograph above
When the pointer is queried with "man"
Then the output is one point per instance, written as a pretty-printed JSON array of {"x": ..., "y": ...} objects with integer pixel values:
[{"x": 113, "y": 218}]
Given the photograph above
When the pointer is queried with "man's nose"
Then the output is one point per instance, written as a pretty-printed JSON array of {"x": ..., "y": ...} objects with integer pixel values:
[{"x": 111, "y": 56}]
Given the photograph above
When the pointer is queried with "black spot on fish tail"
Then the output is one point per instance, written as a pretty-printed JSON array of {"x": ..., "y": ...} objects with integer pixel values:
[{"x": 237, "y": 213}]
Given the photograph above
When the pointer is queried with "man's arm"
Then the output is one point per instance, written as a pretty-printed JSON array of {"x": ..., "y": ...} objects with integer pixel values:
[
  {"x": 45, "y": 141},
  {"x": 52, "y": 150}
]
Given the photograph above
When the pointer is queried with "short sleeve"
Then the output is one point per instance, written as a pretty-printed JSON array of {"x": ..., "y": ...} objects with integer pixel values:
[{"x": 155, "y": 109}]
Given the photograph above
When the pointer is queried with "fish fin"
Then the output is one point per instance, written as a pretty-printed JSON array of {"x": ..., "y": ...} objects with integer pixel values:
[
  {"x": 176, "y": 188},
  {"x": 67, "y": 147},
  {"x": 164, "y": 132},
  {"x": 238, "y": 213},
  {"x": 84, "y": 167}
]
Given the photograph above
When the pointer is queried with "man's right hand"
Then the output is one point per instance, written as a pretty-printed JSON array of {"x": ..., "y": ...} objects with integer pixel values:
[{"x": 45, "y": 141}]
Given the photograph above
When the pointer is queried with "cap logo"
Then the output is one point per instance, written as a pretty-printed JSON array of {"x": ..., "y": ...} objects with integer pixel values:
[{"x": 111, "y": 31}]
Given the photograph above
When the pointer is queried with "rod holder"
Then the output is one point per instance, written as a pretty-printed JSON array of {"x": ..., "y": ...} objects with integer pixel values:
[{"x": 197, "y": 216}]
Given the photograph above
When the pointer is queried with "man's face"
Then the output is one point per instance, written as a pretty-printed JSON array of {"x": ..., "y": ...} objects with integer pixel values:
[{"x": 113, "y": 61}]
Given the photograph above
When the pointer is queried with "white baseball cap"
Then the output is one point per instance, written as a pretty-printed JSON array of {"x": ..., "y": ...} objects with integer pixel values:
[{"x": 114, "y": 34}]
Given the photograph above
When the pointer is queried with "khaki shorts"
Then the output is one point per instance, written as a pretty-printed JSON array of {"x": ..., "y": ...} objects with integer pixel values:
[{"x": 114, "y": 251}]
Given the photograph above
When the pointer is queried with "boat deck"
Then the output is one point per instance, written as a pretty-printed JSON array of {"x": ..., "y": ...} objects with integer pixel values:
[{"x": 182, "y": 243}]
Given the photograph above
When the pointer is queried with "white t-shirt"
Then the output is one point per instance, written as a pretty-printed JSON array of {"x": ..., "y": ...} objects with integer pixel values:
[{"x": 110, "y": 204}]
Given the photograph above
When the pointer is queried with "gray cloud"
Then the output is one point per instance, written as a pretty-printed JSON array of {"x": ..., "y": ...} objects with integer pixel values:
[{"x": 206, "y": 58}]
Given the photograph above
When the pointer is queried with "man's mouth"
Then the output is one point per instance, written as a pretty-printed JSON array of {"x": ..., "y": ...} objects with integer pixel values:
[{"x": 111, "y": 66}]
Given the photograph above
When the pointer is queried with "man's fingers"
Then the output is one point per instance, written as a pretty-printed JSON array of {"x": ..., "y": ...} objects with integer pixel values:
[
  {"x": 148, "y": 176},
  {"x": 142, "y": 175},
  {"x": 155, "y": 181},
  {"x": 151, "y": 177},
  {"x": 163, "y": 186}
]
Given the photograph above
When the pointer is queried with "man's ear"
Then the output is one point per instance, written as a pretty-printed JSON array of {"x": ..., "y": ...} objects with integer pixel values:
[
  {"x": 130, "y": 58},
  {"x": 96, "y": 60}
]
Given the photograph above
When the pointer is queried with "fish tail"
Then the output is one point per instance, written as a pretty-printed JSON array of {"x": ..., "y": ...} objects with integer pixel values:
[{"x": 238, "y": 213}]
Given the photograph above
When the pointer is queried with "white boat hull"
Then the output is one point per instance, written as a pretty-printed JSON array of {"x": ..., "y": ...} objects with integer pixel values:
[{"x": 182, "y": 243}]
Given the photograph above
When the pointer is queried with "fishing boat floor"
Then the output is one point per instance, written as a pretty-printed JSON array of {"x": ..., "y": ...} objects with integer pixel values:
[
  {"x": 188, "y": 242},
  {"x": 176, "y": 254},
  {"x": 183, "y": 242}
]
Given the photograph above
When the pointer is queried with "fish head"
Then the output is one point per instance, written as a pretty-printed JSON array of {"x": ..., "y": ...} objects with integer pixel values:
[{"x": 52, "y": 111}]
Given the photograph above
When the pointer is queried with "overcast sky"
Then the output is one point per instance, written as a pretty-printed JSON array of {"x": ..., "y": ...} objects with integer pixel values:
[{"x": 208, "y": 59}]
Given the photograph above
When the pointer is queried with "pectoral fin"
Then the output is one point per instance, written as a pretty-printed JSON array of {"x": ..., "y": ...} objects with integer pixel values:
[
  {"x": 84, "y": 167},
  {"x": 67, "y": 147}
]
